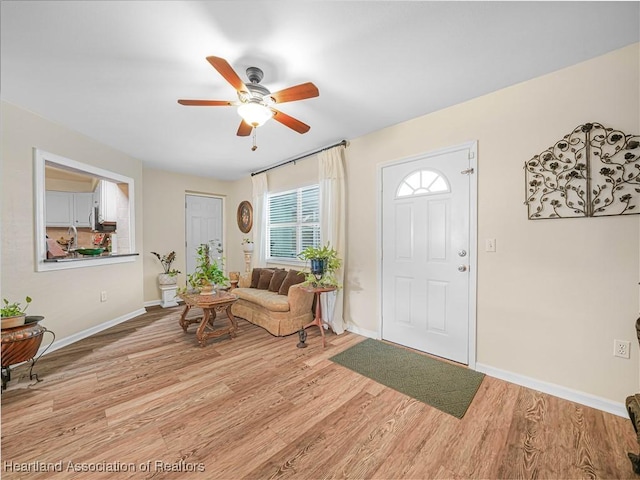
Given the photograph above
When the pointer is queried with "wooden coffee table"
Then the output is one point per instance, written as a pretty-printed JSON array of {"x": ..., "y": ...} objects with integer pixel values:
[{"x": 210, "y": 304}]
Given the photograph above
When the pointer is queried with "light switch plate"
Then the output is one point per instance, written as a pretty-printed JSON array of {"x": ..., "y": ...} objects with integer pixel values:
[{"x": 490, "y": 245}]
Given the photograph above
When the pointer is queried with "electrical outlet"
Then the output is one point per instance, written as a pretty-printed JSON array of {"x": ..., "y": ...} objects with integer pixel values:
[
  {"x": 103, "y": 296},
  {"x": 621, "y": 348}
]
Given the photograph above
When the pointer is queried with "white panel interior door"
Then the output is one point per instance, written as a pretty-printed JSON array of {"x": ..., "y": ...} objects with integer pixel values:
[
  {"x": 425, "y": 254},
  {"x": 203, "y": 224}
]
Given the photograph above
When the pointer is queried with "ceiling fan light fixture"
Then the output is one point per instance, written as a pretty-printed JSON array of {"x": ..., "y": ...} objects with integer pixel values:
[{"x": 254, "y": 113}]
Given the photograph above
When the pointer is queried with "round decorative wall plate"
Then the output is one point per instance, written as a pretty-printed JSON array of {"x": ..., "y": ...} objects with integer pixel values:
[{"x": 245, "y": 216}]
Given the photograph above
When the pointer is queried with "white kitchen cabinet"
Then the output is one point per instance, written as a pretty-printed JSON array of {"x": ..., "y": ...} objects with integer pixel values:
[
  {"x": 83, "y": 209},
  {"x": 67, "y": 208},
  {"x": 107, "y": 196},
  {"x": 59, "y": 209}
]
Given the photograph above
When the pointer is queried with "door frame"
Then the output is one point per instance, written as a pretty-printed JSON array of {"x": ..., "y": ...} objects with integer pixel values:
[
  {"x": 472, "y": 148},
  {"x": 223, "y": 198}
]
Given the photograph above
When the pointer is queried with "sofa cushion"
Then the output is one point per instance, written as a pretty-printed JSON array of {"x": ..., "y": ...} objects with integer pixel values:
[
  {"x": 293, "y": 278},
  {"x": 265, "y": 279},
  {"x": 276, "y": 280},
  {"x": 255, "y": 277},
  {"x": 269, "y": 300}
]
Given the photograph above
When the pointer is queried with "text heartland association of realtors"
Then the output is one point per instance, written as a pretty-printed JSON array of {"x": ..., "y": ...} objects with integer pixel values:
[{"x": 109, "y": 467}]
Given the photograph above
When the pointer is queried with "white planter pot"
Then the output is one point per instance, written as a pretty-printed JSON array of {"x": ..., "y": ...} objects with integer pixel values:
[
  {"x": 166, "y": 279},
  {"x": 248, "y": 247}
]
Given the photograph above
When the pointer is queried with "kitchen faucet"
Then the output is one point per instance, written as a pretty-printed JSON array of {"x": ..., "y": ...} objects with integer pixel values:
[{"x": 73, "y": 243}]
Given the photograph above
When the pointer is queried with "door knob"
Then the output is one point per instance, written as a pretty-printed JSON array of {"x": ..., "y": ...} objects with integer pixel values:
[
  {"x": 462, "y": 253},
  {"x": 462, "y": 268}
]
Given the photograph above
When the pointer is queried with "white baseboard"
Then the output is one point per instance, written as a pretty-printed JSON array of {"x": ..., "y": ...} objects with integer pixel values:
[
  {"x": 362, "y": 331},
  {"x": 63, "y": 342},
  {"x": 156, "y": 303},
  {"x": 556, "y": 390}
]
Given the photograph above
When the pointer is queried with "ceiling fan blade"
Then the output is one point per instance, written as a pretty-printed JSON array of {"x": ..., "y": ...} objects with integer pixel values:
[
  {"x": 244, "y": 130},
  {"x": 299, "y": 92},
  {"x": 290, "y": 122},
  {"x": 206, "y": 103},
  {"x": 229, "y": 74}
]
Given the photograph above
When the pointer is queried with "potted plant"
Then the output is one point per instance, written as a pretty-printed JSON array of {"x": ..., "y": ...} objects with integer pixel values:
[
  {"x": 324, "y": 262},
  {"x": 13, "y": 313},
  {"x": 169, "y": 277},
  {"x": 247, "y": 245},
  {"x": 207, "y": 274}
]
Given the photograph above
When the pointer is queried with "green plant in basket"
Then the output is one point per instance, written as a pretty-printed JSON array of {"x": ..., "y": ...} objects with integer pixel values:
[
  {"x": 324, "y": 263},
  {"x": 13, "y": 309}
]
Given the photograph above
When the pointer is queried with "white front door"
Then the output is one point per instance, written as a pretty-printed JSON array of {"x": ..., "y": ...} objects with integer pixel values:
[
  {"x": 203, "y": 224},
  {"x": 426, "y": 254}
]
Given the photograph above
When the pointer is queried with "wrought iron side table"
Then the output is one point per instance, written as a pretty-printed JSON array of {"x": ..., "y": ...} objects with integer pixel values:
[{"x": 21, "y": 344}]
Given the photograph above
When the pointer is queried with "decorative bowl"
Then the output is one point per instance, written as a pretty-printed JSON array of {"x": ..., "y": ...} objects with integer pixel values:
[
  {"x": 90, "y": 251},
  {"x": 33, "y": 319}
]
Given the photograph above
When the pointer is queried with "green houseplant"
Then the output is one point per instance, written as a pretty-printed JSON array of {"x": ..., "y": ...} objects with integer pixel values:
[
  {"x": 207, "y": 273},
  {"x": 13, "y": 313},
  {"x": 170, "y": 274},
  {"x": 324, "y": 262}
]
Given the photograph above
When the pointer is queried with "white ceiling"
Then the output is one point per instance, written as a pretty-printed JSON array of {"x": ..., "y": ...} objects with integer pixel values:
[{"x": 114, "y": 70}]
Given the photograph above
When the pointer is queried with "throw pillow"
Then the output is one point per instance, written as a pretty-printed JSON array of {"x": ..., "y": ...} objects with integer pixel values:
[
  {"x": 276, "y": 280},
  {"x": 293, "y": 277},
  {"x": 265, "y": 279},
  {"x": 255, "y": 277}
]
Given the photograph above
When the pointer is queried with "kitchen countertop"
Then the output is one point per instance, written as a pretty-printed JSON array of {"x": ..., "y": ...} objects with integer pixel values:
[{"x": 81, "y": 258}]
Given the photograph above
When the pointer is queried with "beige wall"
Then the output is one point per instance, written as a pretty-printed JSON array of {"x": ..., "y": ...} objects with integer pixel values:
[
  {"x": 287, "y": 177},
  {"x": 556, "y": 293},
  {"x": 69, "y": 299},
  {"x": 240, "y": 190},
  {"x": 293, "y": 175},
  {"x": 68, "y": 185},
  {"x": 164, "y": 220}
]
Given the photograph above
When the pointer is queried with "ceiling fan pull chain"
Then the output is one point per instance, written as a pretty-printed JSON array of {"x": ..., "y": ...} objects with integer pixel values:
[{"x": 253, "y": 149}]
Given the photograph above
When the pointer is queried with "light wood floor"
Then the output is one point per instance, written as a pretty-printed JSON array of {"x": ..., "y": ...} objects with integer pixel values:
[{"x": 258, "y": 407}]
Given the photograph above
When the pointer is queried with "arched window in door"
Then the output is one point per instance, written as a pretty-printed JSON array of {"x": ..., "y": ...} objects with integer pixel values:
[{"x": 422, "y": 182}]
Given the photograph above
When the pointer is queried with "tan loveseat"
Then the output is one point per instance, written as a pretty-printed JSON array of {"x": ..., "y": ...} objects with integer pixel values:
[{"x": 279, "y": 314}]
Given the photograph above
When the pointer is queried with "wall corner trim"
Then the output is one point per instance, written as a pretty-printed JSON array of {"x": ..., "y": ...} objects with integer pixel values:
[
  {"x": 350, "y": 327},
  {"x": 63, "y": 342},
  {"x": 577, "y": 396}
]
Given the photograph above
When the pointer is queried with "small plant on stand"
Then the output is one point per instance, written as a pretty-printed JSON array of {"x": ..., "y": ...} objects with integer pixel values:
[
  {"x": 169, "y": 275},
  {"x": 247, "y": 244},
  {"x": 324, "y": 262},
  {"x": 13, "y": 313}
]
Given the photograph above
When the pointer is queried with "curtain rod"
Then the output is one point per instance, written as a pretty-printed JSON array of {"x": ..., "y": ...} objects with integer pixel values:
[{"x": 343, "y": 142}]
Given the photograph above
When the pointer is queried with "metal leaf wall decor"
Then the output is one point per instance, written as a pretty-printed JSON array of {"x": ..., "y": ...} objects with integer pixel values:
[{"x": 593, "y": 171}]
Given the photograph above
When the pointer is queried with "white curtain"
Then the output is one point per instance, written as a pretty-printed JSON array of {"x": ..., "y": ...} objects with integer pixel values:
[
  {"x": 260, "y": 190},
  {"x": 332, "y": 227}
]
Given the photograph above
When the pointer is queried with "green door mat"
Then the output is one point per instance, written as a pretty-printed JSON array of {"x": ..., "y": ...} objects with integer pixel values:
[{"x": 442, "y": 385}]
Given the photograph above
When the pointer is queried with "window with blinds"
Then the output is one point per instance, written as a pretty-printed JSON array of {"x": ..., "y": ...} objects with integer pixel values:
[{"x": 293, "y": 222}]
